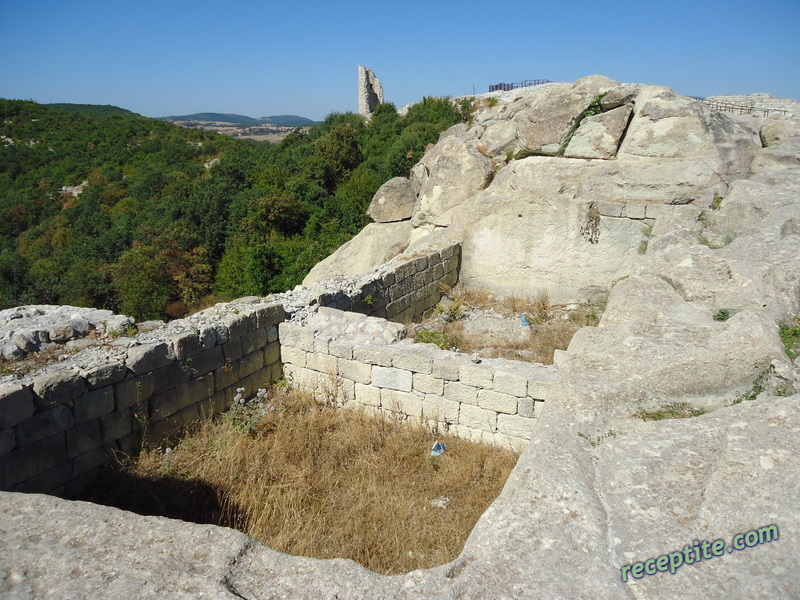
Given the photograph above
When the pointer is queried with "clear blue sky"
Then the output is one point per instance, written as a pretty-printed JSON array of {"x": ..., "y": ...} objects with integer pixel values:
[{"x": 261, "y": 58}]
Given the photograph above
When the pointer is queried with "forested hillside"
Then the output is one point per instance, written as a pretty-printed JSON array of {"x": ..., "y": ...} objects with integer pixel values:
[{"x": 171, "y": 216}]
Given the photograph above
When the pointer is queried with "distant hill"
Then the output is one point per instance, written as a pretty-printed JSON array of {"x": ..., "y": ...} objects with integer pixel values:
[
  {"x": 96, "y": 110},
  {"x": 282, "y": 120}
]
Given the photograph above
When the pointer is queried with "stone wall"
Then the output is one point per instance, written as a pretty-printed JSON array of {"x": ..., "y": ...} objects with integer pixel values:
[
  {"x": 345, "y": 358},
  {"x": 404, "y": 289},
  {"x": 56, "y": 432},
  {"x": 59, "y": 427}
]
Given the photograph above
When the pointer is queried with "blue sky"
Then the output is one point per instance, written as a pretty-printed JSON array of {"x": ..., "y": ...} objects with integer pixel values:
[{"x": 262, "y": 58}]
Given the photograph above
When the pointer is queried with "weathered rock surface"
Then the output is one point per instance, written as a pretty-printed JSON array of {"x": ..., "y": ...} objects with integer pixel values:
[
  {"x": 394, "y": 201},
  {"x": 599, "y": 136},
  {"x": 376, "y": 244},
  {"x": 523, "y": 222}
]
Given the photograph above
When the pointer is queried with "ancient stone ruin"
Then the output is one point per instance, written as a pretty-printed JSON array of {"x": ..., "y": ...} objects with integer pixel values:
[
  {"x": 685, "y": 219},
  {"x": 370, "y": 91}
]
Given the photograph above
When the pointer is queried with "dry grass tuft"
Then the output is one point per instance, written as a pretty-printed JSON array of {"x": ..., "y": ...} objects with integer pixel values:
[{"x": 328, "y": 482}]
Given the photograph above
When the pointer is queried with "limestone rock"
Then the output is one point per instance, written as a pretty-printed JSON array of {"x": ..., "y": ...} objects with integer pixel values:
[
  {"x": 599, "y": 136},
  {"x": 374, "y": 245},
  {"x": 777, "y": 130},
  {"x": 456, "y": 170},
  {"x": 370, "y": 91},
  {"x": 394, "y": 201}
]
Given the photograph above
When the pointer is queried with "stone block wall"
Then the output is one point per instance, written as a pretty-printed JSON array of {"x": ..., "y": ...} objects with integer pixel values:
[
  {"x": 365, "y": 363},
  {"x": 58, "y": 430},
  {"x": 404, "y": 289}
]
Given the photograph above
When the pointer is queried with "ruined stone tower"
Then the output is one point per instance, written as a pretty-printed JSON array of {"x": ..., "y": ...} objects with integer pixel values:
[{"x": 370, "y": 91}]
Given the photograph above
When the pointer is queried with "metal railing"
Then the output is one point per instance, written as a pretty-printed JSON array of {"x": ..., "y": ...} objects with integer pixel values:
[
  {"x": 507, "y": 87},
  {"x": 737, "y": 108}
]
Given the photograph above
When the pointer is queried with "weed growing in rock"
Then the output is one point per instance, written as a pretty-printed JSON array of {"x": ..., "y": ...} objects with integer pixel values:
[
  {"x": 321, "y": 481},
  {"x": 716, "y": 202},
  {"x": 723, "y": 314},
  {"x": 790, "y": 336},
  {"x": 675, "y": 410},
  {"x": 759, "y": 385},
  {"x": 590, "y": 230},
  {"x": 594, "y": 441}
]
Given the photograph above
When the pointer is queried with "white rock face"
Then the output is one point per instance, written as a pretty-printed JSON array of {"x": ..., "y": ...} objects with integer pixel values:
[{"x": 524, "y": 222}]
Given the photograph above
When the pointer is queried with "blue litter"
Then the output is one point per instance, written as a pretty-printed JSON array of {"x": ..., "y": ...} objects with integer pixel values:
[
  {"x": 525, "y": 322},
  {"x": 437, "y": 449}
]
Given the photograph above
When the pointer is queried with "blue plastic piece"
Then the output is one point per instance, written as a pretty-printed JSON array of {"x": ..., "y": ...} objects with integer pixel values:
[{"x": 438, "y": 449}]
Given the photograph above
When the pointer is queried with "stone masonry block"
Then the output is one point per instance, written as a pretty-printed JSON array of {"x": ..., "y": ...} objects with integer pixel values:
[
  {"x": 510, "y": 442},
  {"x": 195, "y": 390},
  {"x": 163, "y": 405},
  {"x": 510, "y": 383},
  {"x": 500, "y": 403},
  {"x": 33, "y": 459},
  {"x": 148, "y": 357},
  {"x": 226, "y": 376},
  {"x": 437, "y": 272},
  {"x": 634, "y": 211},
  {"x": 446, "y": 368},
  {"x": 254, "y": 340},
  {"x": 324, "y": 363},
  {"x": 515, "y": 425},
  {"x": 94, "y": 404},
  {"x": 427, "y": 384},
  {"x": 538, "y": 389},
  {"x": 116, "y": 425},
  {"x": 185, "y": 345},
  {"x": 43, "y": 425},
  {"x": 52, "y": 479},
  {"x": 458, "y": 392},
  {"x": 416, "y": 362},
  {"x": 92, "y": 459},
  {"x": 57, "y": 388},
  {"x": 476, "y": 375},
  {"x": 479, "y": 436},
  {"x": 107, "y": 374},
  {"x": 341, "y": 348},
  {"x": 134, "y": 390},
  {"x": 170, "y": 376},
  {"x": 355, "y": 371},
  {"x": 272, "y": 334},
  {"x": 394, "y": 379},
  {"x": 272, "y": 353},
  {"x": 475, "y": 417},
  {"x": 525, "y": 407},
  {"x": 83, "y": 438},
  {"x": 232, "y": 349},
  {"x": 451, "y": 264},
  {"x": 300, "y": 377},
  {"x": 366, "y": 394},
  {"x": 296, "y": 336},
  {"x": 240, "y": 324},
  {"x": 403, "y": 402},
  {"x": 449, "y": 251},
  {"x": 373, "y": 355},
  {"x": 293, "y": 356},
  {"x": 440, "y": 409},
  {"x": 251, "y": 363},
  {"x": 206, "y": 361},
  {"x": 268, "y": 316},
  {"x": 16, "y": 404}
]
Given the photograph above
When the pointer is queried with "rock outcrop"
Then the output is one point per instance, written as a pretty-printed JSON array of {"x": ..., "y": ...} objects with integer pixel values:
[
  {"x": 551, "y": 178},
  {"x": 370, "y": 91}
]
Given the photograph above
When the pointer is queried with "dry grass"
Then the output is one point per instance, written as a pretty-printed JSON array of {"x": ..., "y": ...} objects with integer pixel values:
[
  {"x": 552, "y": 326},
  {"x": 325, "y": 482}
]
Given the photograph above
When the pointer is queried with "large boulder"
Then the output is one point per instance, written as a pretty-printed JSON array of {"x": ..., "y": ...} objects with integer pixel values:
[
  {"x": 376, "y": 244},
  {"x": 599, "y": 136},
  {"x": 455, "y": 171},
  {"x": 394, "y": 201}
]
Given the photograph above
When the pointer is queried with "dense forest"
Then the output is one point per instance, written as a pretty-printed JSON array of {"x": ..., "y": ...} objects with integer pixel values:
[{"x": 172, "y": 218}]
